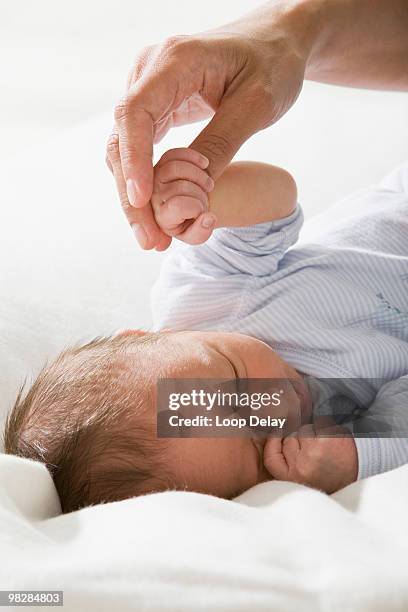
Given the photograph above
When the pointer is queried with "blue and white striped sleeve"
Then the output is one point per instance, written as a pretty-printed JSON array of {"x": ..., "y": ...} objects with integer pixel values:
[
  {"x": 388, "y": 416},
  {"x": 203, "y": 287}
]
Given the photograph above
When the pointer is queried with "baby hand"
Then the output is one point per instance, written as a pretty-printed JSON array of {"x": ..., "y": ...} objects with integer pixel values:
[
  {"x": 312, "y": 458},
  {"x": 180, "y": 196}
]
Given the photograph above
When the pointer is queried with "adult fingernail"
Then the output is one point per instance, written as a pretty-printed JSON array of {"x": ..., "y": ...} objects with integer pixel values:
[
  {"x": 208, "y": 221},
  {"x": 132, "y": 192},
  {"x": 140, "y": 234},
  {"x": 204, "y": 161}
]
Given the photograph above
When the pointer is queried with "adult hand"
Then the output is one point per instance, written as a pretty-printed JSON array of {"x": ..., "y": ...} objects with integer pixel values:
[{"x": 247, "y": 74}]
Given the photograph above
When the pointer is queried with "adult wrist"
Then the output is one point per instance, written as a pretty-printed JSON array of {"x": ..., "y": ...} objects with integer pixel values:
[
  {"x": 306, "y": 23},
  {"x": 300, "y": 24},
  {"x": 312, "y": 26}
]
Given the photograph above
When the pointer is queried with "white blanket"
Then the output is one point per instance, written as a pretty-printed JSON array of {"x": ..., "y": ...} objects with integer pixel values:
[{"x": 281, "y": 548}]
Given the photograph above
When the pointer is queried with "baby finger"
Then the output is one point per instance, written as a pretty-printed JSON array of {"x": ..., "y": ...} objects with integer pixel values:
[
  {"x": 176, "y": 210},
  {"x": 176, "y": 170},
  {"x": 199, "y": 231},
  {"x": 183, "y": 188}
]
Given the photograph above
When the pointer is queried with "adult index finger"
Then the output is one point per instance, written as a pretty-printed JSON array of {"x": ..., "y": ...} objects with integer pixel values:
[
  {"x": 142, "y": 221},
  {"x": 135, "y": 129},
  {"x": 147, "y": 101}
]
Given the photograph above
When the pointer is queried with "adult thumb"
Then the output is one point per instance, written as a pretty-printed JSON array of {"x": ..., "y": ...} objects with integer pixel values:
[{"x": 227, "y": 131}]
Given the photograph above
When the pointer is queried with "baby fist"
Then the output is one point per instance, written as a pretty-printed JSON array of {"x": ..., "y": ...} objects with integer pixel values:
[
  {"x": 180, "y": 196},
  {"x": 324, "y": 459}
]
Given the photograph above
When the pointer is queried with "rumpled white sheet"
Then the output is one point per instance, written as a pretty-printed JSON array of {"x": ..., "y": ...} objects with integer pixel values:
[{"x": 282, "y": 547}]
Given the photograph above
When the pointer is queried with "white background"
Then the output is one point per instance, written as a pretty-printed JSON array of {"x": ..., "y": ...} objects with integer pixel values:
[{"x": 65, "y": 62}]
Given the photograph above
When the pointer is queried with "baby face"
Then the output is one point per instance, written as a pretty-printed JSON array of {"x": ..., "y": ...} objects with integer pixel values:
[{"x": 223, "y": 467}]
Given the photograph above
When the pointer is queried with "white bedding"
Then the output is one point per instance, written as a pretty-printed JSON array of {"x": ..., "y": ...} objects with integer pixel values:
[
  {"x": 281, "y": 548},
  {"x": 69, "y": 269}
]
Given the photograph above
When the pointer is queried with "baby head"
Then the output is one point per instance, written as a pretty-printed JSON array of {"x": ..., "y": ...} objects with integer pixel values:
[{"x": 90, "y": 416}]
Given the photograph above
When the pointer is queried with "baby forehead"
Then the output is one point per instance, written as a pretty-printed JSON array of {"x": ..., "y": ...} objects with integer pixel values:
[{"x": 138, "y": 361}]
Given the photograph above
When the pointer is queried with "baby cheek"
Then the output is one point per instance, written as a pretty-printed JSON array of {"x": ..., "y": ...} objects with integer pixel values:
[
  {"x": 232, "y": 466},
  {"x": 229, "y": 470},
  {"x": 250, "y": 464}
]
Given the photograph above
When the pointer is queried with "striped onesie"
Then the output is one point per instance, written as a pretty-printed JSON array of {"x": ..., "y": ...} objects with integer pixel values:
[{"x": 332, "y": 306}]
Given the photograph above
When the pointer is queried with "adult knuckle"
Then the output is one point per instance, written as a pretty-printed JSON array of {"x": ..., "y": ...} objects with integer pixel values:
[
  {"x": 112, "y": 147},
  {"x": 127, "y": 155},
  {"x": 170, "y": 42},
  {"x": 141, "y": 62},
  {"x": 122, "y": 109},
  {"x": 175, "y": 45},
  {"x": 124, "y": 202}
]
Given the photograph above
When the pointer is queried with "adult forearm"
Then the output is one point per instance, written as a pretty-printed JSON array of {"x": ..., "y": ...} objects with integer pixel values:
[{"x": 359, "y": 43}]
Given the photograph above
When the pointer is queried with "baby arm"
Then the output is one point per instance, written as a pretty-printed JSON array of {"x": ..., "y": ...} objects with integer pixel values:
[
  {"x": 248, "y": 193},
  {"x": 188, "y": 206}
]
